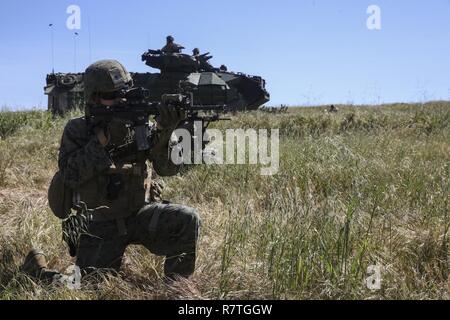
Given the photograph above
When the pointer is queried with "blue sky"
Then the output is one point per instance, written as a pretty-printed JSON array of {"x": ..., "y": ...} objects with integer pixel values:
[{"x": 309, "y": 52}]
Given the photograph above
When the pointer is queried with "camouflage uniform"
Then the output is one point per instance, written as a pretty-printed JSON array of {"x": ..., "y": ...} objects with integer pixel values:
[
  {"x": 123, "y": 217},
  {"x": 117, "y": 191}
]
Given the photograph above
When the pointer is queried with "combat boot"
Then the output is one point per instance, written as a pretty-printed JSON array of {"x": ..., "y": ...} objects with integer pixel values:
[{"x": 35, "y": 263}]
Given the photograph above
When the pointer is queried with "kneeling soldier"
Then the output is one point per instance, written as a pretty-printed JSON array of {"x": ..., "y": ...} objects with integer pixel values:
[{"x": 119, "y": 194}]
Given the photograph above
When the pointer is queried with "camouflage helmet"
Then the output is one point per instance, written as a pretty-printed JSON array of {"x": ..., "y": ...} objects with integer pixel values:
[
  {"x": 196, "y": 51},
  {"x": 170, "y": 39},
  {"x": 105, "y": 76}
]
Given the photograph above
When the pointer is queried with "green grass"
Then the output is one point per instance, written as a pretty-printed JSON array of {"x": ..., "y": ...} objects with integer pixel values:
[{"x": 368, "y": 185}]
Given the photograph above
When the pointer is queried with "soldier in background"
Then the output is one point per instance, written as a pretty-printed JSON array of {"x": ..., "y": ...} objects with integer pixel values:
[
  {"x": 333, "y": 109},
  {"x": 118, "y": 194},
  {"x": 196, "y": 53},
  {"x": 171, "y": 46}
]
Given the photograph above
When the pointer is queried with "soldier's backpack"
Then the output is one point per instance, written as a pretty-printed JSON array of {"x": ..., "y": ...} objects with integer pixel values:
[{"x": 59, "y": 197}]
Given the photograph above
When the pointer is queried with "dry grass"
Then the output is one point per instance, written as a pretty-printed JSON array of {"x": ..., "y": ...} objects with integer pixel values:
[{"x": 364, "y": 186}]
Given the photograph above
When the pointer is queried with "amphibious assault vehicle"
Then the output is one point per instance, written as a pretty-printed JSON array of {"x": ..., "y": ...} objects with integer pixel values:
[
  {"x": 64, "y": 91},
  {"x": 178, "y": 73}
]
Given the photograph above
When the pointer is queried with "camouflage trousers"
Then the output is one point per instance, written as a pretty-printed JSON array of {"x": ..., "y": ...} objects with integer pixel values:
[{"x": 165, "y": 229}]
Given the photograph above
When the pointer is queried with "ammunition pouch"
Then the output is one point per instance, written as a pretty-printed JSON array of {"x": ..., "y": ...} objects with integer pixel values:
[
  {"x": 59, "y": 197},
  {"x": 114, "y": 194}
]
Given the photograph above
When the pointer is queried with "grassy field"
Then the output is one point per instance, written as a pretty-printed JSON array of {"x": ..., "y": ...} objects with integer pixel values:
[{"x": 366, "y": 186}]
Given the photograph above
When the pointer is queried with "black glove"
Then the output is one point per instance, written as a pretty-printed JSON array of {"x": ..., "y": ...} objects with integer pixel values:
[
  {"x": 169, "y": 116},
  {"x": 113, "y": 132}
]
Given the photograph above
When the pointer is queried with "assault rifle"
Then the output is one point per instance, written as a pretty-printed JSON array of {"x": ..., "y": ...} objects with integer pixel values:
[{"x": 136, "y": 109}]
